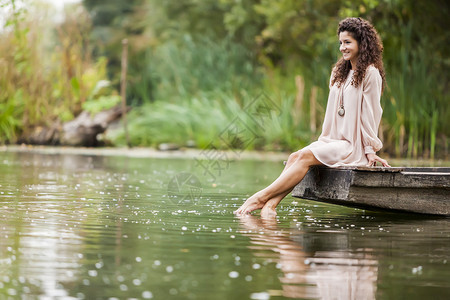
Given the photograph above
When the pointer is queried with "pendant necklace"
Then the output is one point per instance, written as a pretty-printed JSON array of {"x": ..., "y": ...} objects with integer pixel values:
[{"x": 341, "y": 110}]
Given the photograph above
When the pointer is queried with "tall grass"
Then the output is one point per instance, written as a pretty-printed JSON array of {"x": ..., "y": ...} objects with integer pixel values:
[
  {"x": 416, "y": 104},
  {"x": 47, "y": 72},
  {"x": 207, "y": 120}
]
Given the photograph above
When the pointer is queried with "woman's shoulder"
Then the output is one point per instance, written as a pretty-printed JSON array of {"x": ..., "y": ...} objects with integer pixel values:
[
  {"x": 372, "y": 69},
  {"x": 372, "y": 73}
]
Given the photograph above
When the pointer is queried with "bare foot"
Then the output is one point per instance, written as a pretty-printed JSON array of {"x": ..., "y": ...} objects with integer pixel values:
[
  {"x": 268, "y": 211},
  {"x": 255, "y": 202}
]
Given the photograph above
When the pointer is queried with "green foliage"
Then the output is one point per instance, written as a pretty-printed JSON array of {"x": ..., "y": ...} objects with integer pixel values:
[
  {"x": 102, "y": 97},
  {"x": 161, "y": 122},
  {"x": 181, "y": 70},
  {"x": 283, "y": 39},
  {"x": 102, "y": 103},
  {"x": 203, "y": 60},
  {"x": 10, "y": 111},
  {"x": 114, "y": 20},
  {"x": 47, "y": 71}
]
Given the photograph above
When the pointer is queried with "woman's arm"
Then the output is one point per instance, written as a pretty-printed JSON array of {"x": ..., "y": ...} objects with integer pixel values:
[{"x": 371, "y": 112}]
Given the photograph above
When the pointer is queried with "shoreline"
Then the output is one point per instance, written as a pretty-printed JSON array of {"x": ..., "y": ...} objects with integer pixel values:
[
  {"x": 140, "y": 152},
  {"x": 191, "y": 153}
]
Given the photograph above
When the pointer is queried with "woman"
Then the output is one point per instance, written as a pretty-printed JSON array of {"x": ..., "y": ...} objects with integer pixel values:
[{"x": 352, "y": 117}]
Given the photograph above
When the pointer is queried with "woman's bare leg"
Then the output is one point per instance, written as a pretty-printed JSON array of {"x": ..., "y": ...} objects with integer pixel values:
[
  {"x": 268, "y": 210},
  {"x": 291, "y": 176},
  {"x": 294, "y": 156}
]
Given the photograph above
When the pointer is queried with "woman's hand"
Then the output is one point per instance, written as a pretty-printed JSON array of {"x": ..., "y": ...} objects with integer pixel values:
[{"x": 373, "y": 159}]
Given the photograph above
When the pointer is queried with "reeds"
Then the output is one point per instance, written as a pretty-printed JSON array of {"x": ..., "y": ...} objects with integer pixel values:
[
  {"x": 416, "y": 104},
  {"x": 46, "y": 75}
]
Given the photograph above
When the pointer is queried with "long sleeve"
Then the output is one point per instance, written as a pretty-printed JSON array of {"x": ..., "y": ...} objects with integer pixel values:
[{"x": 371, "y": 111}]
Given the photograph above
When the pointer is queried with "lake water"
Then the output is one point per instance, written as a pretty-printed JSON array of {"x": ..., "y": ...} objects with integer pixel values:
[{"x": 105, "y": 227}]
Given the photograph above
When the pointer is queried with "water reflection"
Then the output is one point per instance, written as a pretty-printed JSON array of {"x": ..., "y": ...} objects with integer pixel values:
[
  {"x": 40, "y": 243},
  {"x": 104, "y": 227},
  {"x": 48, "y": 203},
  {"x": 324, "y": 274}
]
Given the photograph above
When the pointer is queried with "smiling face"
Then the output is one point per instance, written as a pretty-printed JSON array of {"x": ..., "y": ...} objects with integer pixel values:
[{"x": 349, "y": 47}]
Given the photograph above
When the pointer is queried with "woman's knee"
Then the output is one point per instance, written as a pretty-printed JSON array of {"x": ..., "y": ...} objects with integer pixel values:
[
  {"x": 306, "y": 157},
  {"x": 294, "y": 156}
]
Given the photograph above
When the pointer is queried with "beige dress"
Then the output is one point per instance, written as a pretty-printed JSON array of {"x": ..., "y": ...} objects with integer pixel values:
[{"x": 346, "y": 140}]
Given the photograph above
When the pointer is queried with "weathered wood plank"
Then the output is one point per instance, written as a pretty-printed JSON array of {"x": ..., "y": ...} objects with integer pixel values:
[
  {"x": 420, "y": 190},
  {"x": 324, "y": 183},
  {"x": 426, "y": 201},
  {"x": 401, "y": 180}
]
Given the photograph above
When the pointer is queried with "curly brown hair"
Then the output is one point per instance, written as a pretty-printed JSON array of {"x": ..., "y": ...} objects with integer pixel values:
[{"x": 370, "y": 52}]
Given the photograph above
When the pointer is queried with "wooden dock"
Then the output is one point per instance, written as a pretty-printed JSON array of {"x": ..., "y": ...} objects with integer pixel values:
[{"x": 417, "y": 190}]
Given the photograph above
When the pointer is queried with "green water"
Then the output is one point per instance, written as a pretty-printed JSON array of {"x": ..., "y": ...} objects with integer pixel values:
[{"x": 93, "y": 227}]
